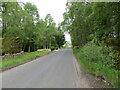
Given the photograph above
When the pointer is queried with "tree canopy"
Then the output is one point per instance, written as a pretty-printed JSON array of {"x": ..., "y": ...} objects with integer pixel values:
[
  {"x": 21, "y": 23},
  {"x": 93, "y": 20}
]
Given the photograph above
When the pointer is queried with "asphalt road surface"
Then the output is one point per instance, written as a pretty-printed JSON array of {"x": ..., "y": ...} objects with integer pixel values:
[{"x": 55, "y": 70}]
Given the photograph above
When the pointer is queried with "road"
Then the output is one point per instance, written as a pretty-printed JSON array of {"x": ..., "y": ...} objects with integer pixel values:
[{"x": 55, "y": 70}]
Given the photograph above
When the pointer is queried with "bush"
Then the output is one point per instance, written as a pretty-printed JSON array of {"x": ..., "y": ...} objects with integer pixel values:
[
  {"x": 97, "y": 53},
  {"x": 76, "y": 47},
  {"x": 100, "y": 60},
  {"x": 56, "y": 46},
  {"x": 11, "y": 45},
  {"x": 52, "y": 48}
]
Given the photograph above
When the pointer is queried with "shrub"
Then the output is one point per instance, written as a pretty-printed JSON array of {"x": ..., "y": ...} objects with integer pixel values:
[
  {"x": 56, "y": 46},
  {"x": 97, "y": 53},
  {"x": 52, "y": 48},
  {"x": 101, "y": 60},
  {"x": 11, "y": 45},
  {"x": 76, "y": 47}
]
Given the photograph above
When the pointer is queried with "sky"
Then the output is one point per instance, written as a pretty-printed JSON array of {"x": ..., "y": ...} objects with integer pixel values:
[{"x": 54, "y": 7}]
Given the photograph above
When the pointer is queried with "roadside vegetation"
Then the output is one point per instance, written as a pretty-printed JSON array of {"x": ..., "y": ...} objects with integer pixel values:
[
  {"x": 94, "y": 29},
  {"x": 26, "y": 57},
  {"x": 99, "y": 60},
  {"x": 24, "y": 30}
]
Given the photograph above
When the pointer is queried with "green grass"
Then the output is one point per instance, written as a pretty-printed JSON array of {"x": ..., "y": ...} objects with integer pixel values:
[
  {"x": 99, "y": 69},
  {"x": 21, "y": 59}
]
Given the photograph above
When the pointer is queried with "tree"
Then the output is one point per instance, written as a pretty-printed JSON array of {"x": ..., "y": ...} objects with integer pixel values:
[
  {"x": 11, "y": 25},
  {"x": 21, "y": 23},
  {"x": 100, "y": 20},
  {"x": 30, "y": 20}
]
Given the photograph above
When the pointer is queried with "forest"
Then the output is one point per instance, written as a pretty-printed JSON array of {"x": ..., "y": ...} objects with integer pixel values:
[
  {"x": 95, "y": 32},
  {"x": 24, "y": 30}
]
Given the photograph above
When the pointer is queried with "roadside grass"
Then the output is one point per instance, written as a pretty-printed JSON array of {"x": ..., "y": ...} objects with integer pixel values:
[
  {"x": 27, "y": 56},
  {"x": 111, "y": 75}
]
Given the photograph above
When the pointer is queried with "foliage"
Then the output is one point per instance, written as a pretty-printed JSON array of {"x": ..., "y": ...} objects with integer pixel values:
[
  {"x": 60, "y": 40},
  {"x": 99, "y": 68},
  {"x": 95, "y": 53},
  {"x": 99, "y": 19},
  {"x": 52, "y": 48},
  {"x": 22, "y": 20},
  {"x": 94, "y": 28},
  {"x": 11, "y": 45}
]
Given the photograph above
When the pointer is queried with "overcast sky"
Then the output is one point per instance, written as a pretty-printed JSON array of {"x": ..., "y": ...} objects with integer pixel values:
[{"x": 55, "y": 7}]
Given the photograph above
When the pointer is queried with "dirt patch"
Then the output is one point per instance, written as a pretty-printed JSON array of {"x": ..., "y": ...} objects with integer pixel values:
[{"x": 90, "y": 80}]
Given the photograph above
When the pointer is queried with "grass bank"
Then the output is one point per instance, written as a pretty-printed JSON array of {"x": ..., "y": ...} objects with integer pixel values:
[
  {"x": 98, "y": 68},
  {"x": 26, "y": 57}
]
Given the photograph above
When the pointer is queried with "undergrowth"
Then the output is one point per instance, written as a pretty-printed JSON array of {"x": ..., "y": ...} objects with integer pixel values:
[{"x": 99, "y": 60}]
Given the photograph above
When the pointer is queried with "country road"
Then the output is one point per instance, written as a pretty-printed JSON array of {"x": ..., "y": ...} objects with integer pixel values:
[{"x": 56, "y": 70}]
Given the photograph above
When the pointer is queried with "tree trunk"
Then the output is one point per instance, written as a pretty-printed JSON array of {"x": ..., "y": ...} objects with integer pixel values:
[
  {"x": 44, "y": 46},
  {"x": 50, "y": 45},
  {"x": 29, "y": 48},
  {"x": 23, "y": 48},
  {"x": 47, "y": 46}
]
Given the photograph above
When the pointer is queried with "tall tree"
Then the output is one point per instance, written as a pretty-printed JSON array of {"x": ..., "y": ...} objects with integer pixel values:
[
  {"x": 30, "y": 20},
  {"x": 100, "y": 20}
]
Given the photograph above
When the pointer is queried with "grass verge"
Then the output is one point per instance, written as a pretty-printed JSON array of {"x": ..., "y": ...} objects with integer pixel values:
[
  {"x": 28, "y": 56},
  {"x": 111, "y": 75}
]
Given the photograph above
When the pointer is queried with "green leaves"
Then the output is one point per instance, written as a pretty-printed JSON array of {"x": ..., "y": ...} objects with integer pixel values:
[
  {"x": 98, "y": 18},
  {"x": 94, "y": 28},
  {"x": 22, "y": 20}
]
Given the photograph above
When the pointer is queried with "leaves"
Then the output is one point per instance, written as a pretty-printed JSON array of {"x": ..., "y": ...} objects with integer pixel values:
[
  {"x": 97, "y": 18},
  {"x": 22, "y": 20}
]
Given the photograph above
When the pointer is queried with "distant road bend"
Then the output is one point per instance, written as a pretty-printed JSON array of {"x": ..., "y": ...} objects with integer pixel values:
[{"x": 56, "y": 70}]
